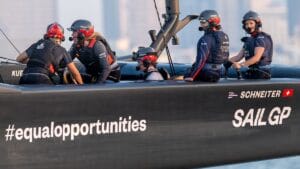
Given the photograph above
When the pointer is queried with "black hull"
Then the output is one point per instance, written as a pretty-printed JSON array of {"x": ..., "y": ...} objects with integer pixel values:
[{"x": 173, "y": 124}]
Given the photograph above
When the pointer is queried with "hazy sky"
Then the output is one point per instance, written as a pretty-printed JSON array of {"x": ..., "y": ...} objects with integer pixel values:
[{"x": 71, "y": 10}]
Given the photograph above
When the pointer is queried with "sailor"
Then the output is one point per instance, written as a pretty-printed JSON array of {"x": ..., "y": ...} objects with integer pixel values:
[
  {"x": 212, "y": 49},
  {"x": 93, "y": 51},
  {"x": 257, "y": 49},
  {"x": 147, "y": 64},
  {"x": 44, "y": 56}
]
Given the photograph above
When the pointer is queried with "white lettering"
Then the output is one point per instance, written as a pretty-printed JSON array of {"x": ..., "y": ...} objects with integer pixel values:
[
  {"x": 16, "y": 73},
  {"x": 255, "y": 118},
  {"x": 260, "y": 94},
  {"x": 70, "y": 131},
  {"x": 274, "y": 116},
  {"x": 238, "y": 116}
]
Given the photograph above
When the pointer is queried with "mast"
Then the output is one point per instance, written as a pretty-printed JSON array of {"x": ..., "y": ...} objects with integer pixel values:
[{"x": 171, "y": 26}]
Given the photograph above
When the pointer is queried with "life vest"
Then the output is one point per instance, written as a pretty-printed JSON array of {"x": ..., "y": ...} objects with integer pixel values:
[
  {"x": 111, "y": 58},
  {"x": 249, "y": 48},
  {"x": 219, "y": 52},
  {"x": 41, "y": 59}
]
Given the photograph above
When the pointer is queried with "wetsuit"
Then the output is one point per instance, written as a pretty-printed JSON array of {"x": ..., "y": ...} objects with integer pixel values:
[
  {"x": 260, "y": 70},
  {"x": 44, "y": 58},
  {"x": 93, "y": 57},
  {"x": 212, "y": 51}
]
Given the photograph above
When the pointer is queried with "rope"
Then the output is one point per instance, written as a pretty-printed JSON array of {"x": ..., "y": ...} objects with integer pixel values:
[{"x": 167, "y": 48}]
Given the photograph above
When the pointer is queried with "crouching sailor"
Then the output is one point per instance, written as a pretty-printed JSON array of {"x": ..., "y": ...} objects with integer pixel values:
[{"x": 44, "y": 56}]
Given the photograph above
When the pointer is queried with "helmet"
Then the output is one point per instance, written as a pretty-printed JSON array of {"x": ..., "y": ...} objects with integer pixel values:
[
  {"x": 82, "y": 26},
  {"x": 148, "y": 60},
  {"x": 55, "y": 30},
  {"x": 211, "y": 16},
  {"x": 251, "y": 15}
]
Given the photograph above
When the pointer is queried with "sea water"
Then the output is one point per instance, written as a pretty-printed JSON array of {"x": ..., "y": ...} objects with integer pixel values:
[{"x": 281, "y": 163}]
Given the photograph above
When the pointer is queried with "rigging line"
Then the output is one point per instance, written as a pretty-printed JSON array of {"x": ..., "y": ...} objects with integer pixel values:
[
  {"x": 167, "y": 48},
  {"x": 5, "y": 58},
  {"x": 10, "y": 41}
]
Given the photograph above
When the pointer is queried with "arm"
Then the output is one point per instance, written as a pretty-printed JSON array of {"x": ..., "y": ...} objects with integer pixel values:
[
  {"x": 258, "y": 52},
  {"x": 238, "y": 57},
  {"x": 75, "y": 73},
  {"x": 259, "y": 49},
  {"x": 202, "y": 54},
  {"x": 23, "y": 57},
  {"x": 104, "y": 67}
]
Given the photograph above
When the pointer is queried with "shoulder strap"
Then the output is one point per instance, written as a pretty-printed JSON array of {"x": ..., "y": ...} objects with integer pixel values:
[{"x": 92, "y": 43}]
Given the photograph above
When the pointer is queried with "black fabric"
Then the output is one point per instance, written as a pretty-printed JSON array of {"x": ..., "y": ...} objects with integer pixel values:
[
  {"x": 262, "y": 39},
  {"x": 248, "y": 47},
  {"x": 212, "y": 48},
  {"x": 207, "y": 75},
  {"x": 35, "y": 79},
  {"x": 107, "y": 47},
  {"x": 41, "y": 55},
  {"x": 115, "y": 74},
  {"x": 94, "y": 60},
  {"x": 257, "y": 73},
  {"x": 219, "y": 49},
  {"x": 164, "y": 72},
  {"x": 265, "y": 40}
]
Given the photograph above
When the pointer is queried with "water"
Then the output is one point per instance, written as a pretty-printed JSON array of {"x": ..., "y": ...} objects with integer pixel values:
[{"x": 282, "y": 163}]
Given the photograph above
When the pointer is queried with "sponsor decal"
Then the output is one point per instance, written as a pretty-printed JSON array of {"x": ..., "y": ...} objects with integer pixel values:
[
  {"x": 232, "y": 95},
  {"x": 261, "y": 117},
  {"x": 16, "y": 73},
  {"x": 261, "y": 94},
  {"x": 288, "y": 92},
  {"x": 70, "y": 131}
]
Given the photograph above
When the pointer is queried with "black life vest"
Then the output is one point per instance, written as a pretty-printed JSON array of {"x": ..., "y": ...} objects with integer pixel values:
[
  {"x": 219, "y": 52},
  {"x": 41, "y": 59},
  {"x": 249, "y": 48},
  {"x": 111, "y": 55},
  {"x": 266, "y": 58}
]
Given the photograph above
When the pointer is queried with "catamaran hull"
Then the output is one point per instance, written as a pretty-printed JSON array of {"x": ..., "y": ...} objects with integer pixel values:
[{"x": 148, "y": 125}]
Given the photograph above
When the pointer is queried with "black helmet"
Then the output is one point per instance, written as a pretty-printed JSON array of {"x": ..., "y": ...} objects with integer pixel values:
[
  {"x": 83, "y": 26},
  {"x": 251, "y": 15},
  {"x": 213, "y": 19},
  {"x": 211, "y": 16}
]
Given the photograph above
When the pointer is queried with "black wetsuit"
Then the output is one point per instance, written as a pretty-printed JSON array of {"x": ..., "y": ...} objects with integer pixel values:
[
  {"x": 93, "y": 57},
  {"x": 44, "y": 58},
  {"x": 212, "y": 51},
  {"x": 260, "y": 70}
]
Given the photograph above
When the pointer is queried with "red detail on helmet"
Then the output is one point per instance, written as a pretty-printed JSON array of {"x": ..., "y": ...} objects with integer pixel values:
[
  {"x": 150, "y": 58},
  {"x": 214, "y": 20},
  {"x": 55, "y": 31},
  {"x": 87, "y": 33}
]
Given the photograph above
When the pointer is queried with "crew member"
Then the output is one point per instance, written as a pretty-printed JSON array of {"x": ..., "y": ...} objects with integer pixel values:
[
  {"x": 257, "y": 49},
  {"x": 44, "y": 56},
  {"x": 93, "y": 51},
  {"x": 212, "y": 49},
  {"x": 147, "y": 64}
]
